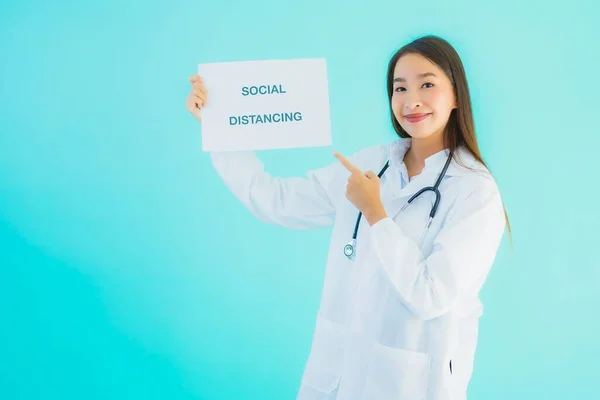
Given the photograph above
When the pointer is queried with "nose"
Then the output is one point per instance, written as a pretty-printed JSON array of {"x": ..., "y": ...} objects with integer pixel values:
[{"x": 412, "y": 101}]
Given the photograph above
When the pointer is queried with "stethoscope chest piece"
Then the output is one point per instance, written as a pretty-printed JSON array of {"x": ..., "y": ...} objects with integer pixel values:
[{"x": 350, "y": 249}]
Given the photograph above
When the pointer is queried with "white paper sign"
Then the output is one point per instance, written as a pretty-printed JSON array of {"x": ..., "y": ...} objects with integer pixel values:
[{"x": 259, "y": 105}]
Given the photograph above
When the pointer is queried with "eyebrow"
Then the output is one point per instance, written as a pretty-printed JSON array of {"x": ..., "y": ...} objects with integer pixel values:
[{"x": 423, "y": 75}]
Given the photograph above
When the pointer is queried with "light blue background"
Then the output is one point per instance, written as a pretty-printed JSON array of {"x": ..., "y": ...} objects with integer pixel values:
[{"x": 128, "y": 271}]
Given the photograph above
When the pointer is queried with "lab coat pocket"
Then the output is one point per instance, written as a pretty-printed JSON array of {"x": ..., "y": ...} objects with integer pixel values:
[
  {"x": 397, "y": 374},
  {"x": 323, "y": 368}
]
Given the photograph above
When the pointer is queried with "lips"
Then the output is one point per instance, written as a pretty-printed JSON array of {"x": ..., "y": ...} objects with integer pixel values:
[{"x": 413, "y": 118}]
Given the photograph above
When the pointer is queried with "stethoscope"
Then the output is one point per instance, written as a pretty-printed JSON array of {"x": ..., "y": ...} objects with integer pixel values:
[{"x": 350, "y": 248}]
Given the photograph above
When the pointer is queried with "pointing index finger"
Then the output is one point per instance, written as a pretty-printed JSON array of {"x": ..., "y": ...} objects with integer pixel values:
[{"x": 347, "y": 164}]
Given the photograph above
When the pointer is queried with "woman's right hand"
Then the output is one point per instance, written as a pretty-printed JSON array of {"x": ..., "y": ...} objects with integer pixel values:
[{"x": 197, "y": 97}]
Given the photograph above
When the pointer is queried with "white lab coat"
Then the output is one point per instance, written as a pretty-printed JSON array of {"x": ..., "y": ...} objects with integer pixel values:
[{"x": 399, "y": 322}]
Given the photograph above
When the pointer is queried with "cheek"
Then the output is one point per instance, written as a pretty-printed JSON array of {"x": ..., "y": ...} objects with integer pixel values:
[
  {"x": 440, "y": 101},
  {"x": 434, "y": 98},
  {"x": 397, "y": 106}
]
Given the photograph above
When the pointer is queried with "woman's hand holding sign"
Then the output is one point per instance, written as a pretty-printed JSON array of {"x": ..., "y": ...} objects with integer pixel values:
[
  {"x": 197, "y": 97},
  {"x": 363, "y": 190}
]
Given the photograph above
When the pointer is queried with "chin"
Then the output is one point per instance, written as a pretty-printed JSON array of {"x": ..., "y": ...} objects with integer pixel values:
[{"x": 418, "y": 133}]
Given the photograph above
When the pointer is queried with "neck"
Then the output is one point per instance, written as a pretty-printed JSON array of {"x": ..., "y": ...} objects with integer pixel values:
[{"x": 420, "y": 149}]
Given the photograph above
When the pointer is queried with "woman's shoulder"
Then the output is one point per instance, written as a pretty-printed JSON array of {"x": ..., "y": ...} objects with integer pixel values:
[
  {"x": 466, "y": 165},
  {"x": 474, "y": 176}
]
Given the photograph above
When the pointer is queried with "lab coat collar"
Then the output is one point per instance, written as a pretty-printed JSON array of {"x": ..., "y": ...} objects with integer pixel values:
[
  {"x": 435, "y": 162},
  {"x": 433, "y": 167}
]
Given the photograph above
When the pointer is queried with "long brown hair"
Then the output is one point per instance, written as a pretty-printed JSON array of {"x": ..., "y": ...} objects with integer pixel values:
[{"x": 460, "y": 130}]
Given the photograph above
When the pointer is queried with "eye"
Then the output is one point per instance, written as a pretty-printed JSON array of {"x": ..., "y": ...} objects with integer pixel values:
[
  {"x": 428, "y": 83},
  {"x": 400, "y": 89}
]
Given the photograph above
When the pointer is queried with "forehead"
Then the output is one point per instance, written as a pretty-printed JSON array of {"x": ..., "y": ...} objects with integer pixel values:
[{"x": 410, "y": 66}]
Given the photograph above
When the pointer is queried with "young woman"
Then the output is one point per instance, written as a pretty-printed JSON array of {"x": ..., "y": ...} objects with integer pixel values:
[{"x": 416, "y": 227}]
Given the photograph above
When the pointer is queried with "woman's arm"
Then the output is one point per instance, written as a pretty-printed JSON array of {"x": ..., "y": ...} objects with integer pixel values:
[
  {"x": 463, "y": 252},
  {"x": 297, "y": 202}
]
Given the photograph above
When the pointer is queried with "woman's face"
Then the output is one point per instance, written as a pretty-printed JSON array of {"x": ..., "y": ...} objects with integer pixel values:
[{"x": 423, "y": 97}]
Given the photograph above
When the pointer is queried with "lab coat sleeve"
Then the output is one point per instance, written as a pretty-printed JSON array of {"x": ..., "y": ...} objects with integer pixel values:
[
  {"x": 463, "y": 252},
  {"x": 293, "y": 202}
]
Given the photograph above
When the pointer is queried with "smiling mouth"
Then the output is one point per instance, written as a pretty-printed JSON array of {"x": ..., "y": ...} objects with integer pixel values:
[{"x": 414, "y": 118}]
